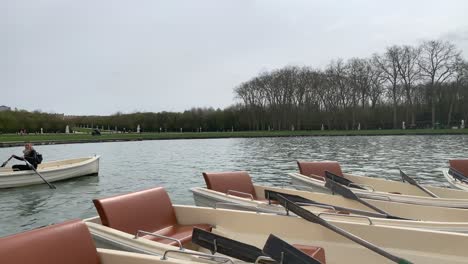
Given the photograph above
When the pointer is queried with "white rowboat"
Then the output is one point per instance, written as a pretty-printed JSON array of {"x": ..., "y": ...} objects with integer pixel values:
[
  {"x": 51, "y": 171},
  {"x": 415, "y": 245},
  {"x": 325, "y": 206},
  {"x": 312, "y": 176},
  {"x": 69, "y": 242},
  {"x": 457, "y": 174}
]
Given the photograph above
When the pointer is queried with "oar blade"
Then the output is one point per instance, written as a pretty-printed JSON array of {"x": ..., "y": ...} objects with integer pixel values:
[
  {"x": 415, "y": 183},
  {"x": 340, "y": 189},
  {"x": 407, "y": 178},
  {"x": 6, "y": 162},
  {"x": 298, "y": 210},
  {"x": 272, "y": 195},
  {"x": 285, "y": 253}
]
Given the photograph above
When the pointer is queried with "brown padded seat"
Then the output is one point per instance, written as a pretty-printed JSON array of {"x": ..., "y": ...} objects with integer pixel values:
[
  {"x": 239, "y": 181},
  {"x": 148, "y": 210},
  {"x": 316, "y": 253},
  {"x": 461, "y": 165},
  {"x": 318, "y": 168},
  {"x": 69, "y": 242}
]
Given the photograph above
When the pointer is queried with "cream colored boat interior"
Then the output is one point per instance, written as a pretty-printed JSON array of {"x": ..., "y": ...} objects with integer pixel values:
[
  {"x": 239, "y": 184},
  {"x": 416, "y": 212},
  {"x": 149, "y": 215},
  {"x": 53, "y": 164},
  {"x": 254, "y": 228},
  {"x": 316, "y": 170}
]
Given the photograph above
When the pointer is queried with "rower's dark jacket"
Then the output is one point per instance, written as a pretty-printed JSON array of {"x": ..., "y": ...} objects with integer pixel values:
[{"x": 31, "y": 157}]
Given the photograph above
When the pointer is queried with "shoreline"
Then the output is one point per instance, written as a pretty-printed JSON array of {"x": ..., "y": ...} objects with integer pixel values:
[{"x": 13, "y": 140}]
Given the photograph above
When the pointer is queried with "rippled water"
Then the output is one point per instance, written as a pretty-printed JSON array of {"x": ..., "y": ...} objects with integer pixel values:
[{"x": 177, "y": 165}]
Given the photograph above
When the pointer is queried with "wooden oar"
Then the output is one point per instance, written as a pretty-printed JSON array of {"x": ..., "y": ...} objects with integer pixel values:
[
  {"x": 347, "y": 193},
  {"x": 309, "y": 216},
  {"x": 5, "y": 163},
  {"x": 415, "y": 183},
  {"x": 34, "y": 169}
]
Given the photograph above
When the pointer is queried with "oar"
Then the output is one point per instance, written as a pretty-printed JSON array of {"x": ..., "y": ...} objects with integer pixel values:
[
  {"x": 309, "y": 216},
  {"x": 347, "y": 193},
  {"x": 415, "y": 183},
  {"x": 34, "y": 169},
  {"x": 5, "y": 163},
  {"x": 272, "y": 195}
]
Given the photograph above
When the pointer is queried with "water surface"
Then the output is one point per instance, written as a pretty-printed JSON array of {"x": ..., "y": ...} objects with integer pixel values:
[{"x": 177, "y": 165}]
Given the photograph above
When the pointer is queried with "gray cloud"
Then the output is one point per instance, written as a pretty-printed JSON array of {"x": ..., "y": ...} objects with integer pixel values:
[{"x": 100, "y": 57}]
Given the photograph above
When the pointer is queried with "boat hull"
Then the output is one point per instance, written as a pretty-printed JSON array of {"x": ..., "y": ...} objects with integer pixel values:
[
  {"x": 374, "y": 194},
  {"x": 51, "y": 171},
  {"x": 254, "y": 228},
  {"x": 209, "y": 198},
  {"x": 454, "y": 183}
]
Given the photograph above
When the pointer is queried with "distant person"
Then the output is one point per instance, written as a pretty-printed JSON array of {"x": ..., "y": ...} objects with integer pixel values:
[{"x": 30, "y": 155}]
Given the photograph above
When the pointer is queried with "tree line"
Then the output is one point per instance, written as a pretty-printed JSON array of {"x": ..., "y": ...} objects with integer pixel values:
[{"x": 425, "y": 86}]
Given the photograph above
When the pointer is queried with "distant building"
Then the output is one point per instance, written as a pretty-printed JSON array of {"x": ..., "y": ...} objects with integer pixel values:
[{"x": 4, "y": 108}]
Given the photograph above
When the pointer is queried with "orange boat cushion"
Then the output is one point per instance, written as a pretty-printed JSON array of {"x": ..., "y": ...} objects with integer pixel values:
[
  {"x": 311, "y": 168},
  {"x": 460, "y": 165},
  {"x": 149, "y": 210},
  {"x": 69, "y": 242},
  {"x": 239, "y": 181},
  {"x": 317, "y": 253}
]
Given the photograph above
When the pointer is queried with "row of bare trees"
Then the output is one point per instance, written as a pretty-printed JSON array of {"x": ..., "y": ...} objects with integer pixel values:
[{"x": 424, "y": 86}]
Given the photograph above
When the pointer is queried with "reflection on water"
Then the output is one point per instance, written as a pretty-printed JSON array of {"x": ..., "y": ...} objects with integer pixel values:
[{"x": 177, "y": 165}]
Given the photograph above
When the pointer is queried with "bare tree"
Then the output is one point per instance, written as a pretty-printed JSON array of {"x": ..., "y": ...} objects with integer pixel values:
[
  {"x": 410, "y": 73},
  {"x": 377, "y": 81},
  {"x": 388, "y": 63},
  {"x": 460, "y": 79},
  {"x": 437, "y": 62},
  {"x": 337, "y": 76}
]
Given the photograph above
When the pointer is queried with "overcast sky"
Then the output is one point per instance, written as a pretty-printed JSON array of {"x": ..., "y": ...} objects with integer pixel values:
[{"x": 104, "y": 56}]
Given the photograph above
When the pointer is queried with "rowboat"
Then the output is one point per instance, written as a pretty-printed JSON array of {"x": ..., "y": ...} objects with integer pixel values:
[
  {"x": 146, "y": 221},
  {"x": 312, "y": 175},
  {"x": 52, "y": 171},
  {"x": 457, "y": 174},
  {"x": 69, "y": 242},
  {"x": 235, "y": 190}
]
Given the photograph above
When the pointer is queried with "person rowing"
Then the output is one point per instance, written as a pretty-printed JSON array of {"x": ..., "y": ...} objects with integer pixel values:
[{"x": 30, "y": 155}]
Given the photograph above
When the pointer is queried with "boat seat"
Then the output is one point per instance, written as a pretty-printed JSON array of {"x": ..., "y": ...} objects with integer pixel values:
[
  {"x": 316, "y": 253},
  {"x": 316, "y": 169},
  {"x": 69, "y": 242},
  {"x": 148, "y": 210},
  {"x": 460, "y": 165},
  {"x": 239, "y": 181}
]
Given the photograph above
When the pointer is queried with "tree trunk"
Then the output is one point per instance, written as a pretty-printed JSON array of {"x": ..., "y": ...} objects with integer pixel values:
[
  {"x": 433, "y": 104},
  {"x": 449, "y": 117}
]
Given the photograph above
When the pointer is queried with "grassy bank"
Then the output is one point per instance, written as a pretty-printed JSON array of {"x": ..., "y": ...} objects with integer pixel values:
[{"x": 13, "y": 139}]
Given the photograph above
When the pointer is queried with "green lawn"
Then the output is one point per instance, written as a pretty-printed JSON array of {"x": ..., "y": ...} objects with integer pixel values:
[{"x": 5, "y": 138}]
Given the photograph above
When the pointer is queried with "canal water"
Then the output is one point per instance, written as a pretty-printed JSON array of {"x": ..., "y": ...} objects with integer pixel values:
[{"x": 178, "y": 165}]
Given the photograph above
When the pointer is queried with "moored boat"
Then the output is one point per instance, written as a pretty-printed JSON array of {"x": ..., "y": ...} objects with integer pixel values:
[
  {"x": 457, "y": 174},
  {"x": 235, "y": 190},
  {"x": 312, "y": 175},
  {"x": 52, "y": 171},
  {"x": 69, "y": 242},
  {"x": 122, "y": 219},
  {"x": 147, "y": 222}
]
